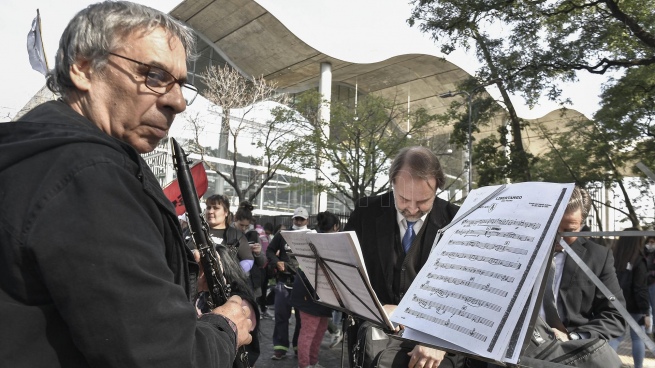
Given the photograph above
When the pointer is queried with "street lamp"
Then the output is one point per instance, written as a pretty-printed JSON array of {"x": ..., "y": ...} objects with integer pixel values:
[{"x": 469, "y": 149}]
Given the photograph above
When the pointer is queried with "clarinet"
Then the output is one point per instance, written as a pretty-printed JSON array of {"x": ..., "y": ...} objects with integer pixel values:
[{"x": 219, "y": 289}]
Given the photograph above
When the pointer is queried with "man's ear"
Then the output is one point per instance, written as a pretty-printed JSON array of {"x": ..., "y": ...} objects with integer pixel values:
[{"x": 80, "y": 74}]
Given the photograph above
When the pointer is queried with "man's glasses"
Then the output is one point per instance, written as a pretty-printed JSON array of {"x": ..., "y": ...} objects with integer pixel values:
[{"x": 161, "y": 82}]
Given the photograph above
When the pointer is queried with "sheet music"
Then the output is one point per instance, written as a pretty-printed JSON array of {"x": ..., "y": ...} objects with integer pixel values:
[
  {"x": 479, "y": 277},
  {"x": 345, "y": 267}
]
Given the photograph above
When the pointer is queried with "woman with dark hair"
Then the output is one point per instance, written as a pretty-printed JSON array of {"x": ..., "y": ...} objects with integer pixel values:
[
  {"x": 234, "y": 251},
  {"x": 217, "y": 214},
  {"x": 631, "y": 270},
  {"x": 314, "y": 316}
]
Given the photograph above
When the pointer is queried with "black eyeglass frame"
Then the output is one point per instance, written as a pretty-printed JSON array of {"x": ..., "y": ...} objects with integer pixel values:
[{"x": 168, "y": 86}]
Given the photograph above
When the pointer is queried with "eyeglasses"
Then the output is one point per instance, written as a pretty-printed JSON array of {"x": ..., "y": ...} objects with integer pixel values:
[{"x": 161, "y": 82}]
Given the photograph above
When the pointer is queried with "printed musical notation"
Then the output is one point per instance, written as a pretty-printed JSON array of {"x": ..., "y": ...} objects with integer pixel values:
[
  {"x": 442, "y": 309},
  {"x": 468, "y": 283},
  {"x": 474, "y": 302},
  {"x": 505, "y": 222},
  {"x": 483, "y": 270},
  {"x": 447, "y": 323},
  {"x": 490, "y": 233},
  {"x": 450, "y": 266},
  {"x": 475, "y": 257},
  {"x": 496, "y": 247}
]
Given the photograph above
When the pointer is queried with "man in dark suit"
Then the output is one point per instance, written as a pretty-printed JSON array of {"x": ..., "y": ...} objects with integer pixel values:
[
  {"x": 583, "y": 310},
  {"x": 396, "y": 231}
]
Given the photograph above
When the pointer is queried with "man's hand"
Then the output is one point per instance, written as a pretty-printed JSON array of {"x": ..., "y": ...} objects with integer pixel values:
[
  {"x": 389, "y": 308},
  {"x": 648, "y": 322},
  {"x": 239, "y": 314},
  {"x": 280, "y": 266},
  {"x": 561, "y": 335},
  {"x": 425, "y": 357}
]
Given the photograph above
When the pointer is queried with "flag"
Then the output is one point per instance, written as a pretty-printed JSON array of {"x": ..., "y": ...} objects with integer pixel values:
[
  {"x": 173, "y": 193},
  {"x": 35, "y": 47}
]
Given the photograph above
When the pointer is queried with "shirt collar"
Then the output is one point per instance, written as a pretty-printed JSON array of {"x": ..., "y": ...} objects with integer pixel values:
[{"x": 402, "y": 223}]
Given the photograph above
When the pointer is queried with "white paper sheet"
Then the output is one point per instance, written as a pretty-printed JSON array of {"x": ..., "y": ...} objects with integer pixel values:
[
  {"x": 480, "y": 275},
  {"x": 345, "y": 269}
]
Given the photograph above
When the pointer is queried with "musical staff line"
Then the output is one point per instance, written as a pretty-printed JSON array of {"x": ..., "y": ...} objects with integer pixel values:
[
  {"x": 474, "y": 302},
  {"x": 501, "y": 234},
  {"x": 441, "y": 309},
  {"x": 508, "y": 222},
  {"x": 496, "y": 247},
  {"x": 471, "y": 284},
  {"x": 490, "y": 260},
  {"x": 450, "y": 266},
  {"x": 447, "y": 323}
]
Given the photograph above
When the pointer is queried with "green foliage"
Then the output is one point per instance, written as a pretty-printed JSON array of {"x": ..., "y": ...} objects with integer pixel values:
[
  {"x": 361, "y": 142},
  {"x": 536, "y": 44},
  {"x": 628, "y": 115}
]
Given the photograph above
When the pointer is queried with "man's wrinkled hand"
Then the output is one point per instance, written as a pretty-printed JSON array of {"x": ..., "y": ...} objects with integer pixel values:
[
  {"x": 239, "y": 314},
  {"x": 425, "y": 357}
]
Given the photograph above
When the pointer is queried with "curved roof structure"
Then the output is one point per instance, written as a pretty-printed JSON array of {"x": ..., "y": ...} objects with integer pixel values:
[{"x": 257, "y": 43}]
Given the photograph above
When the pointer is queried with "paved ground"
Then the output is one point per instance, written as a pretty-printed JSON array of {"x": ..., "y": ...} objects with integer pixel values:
[
  {"x": 625, "y": 353},
  {"x": 328, "y": 358},
  {"x": 331, "y": 358}
]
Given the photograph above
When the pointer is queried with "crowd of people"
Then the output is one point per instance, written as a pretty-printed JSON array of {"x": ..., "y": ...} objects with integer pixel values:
[{"x": 97, "y": 270}]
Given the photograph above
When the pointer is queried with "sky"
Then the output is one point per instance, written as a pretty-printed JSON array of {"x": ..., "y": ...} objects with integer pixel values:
[{"x": 356, "y": 31}]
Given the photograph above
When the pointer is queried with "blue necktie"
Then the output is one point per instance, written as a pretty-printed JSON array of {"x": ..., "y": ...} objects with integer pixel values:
[{"x": 409, "y": 236}]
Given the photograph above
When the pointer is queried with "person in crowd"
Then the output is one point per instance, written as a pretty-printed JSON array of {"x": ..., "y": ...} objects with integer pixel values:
[
  {"x": 286, "y": 266},
  {"x": 268, "y": 229},
  {"x": 94, "y": 268},
  {"x": 244, "y": 221},
  {"x": 337, "y": 335},
  {"x": 314, "y": 316},
  {"x": 217, "y": 214},
  {"x": 184, "y": 223},
  {"x": 649, "y": 247},
  {"x": 631, "y": 270},
  {"x": 265, "y": 236},
  {"x": 396, "y": 231},
  {"x": 583, "y": 311},
  {"x": 267, "y": 293}
]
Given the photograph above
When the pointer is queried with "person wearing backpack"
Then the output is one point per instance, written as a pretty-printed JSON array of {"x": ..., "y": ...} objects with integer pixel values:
[{"x": 632, "y": 272}]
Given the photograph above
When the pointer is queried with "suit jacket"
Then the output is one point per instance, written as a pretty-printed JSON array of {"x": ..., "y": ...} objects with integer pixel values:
[
  {"x": 374, "y": 221},
  {"x": 586, "y": 308}
]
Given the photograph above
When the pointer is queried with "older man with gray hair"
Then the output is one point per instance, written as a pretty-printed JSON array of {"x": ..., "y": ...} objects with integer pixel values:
[{"x": 93, "y": 268}]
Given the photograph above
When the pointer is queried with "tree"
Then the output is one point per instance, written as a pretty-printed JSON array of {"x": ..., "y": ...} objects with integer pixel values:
[
  {"x": 539, "y": 44},
  {"x": 362, "y": 141},
  {"x": 275, "y": 141},
  {"x": 628, "y": 114},
  {"x": 456, "y": 24},
  {"x": 608, "y": 148},
  {"x": 585, "y": 154}
]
